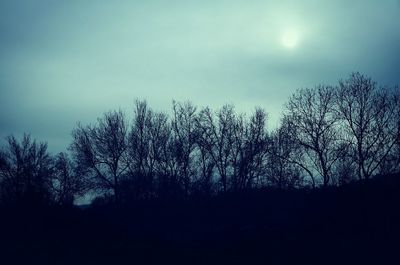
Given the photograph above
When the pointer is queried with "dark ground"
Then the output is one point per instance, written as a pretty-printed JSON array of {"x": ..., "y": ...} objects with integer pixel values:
[{"x": 357, "y": 223}]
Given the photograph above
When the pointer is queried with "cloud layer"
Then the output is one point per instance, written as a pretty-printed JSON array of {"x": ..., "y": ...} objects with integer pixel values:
[{"x": 65, "y": 61}]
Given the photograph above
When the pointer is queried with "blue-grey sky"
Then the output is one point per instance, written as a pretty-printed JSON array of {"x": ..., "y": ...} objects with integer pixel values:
[{"x": 68, "y": 61}]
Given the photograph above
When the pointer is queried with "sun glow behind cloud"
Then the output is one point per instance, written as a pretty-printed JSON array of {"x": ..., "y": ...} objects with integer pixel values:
[
  {"x": 74, "y": 60},
  {"x": 290, "y": 38}
]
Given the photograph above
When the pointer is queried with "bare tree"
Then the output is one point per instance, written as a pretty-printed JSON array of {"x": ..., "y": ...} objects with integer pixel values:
[
  {"x": 284, "y": 163},
  {"x": 239, "y": 159},
  {"x": 206, "y": 161},
  {"x": 184, "y": 135},
  {"x": 249, "y": 150},
  {"x": 369, "y": 115},
  {"x": 160, "y": 132},
  {"x": 25, "y": 171},
  {"x": 310, "y": 113},
  {"x": 101, "y": 150},
  {"x": 217, "y": 136},
  {"x": 256, "y": 147},
  {"x": 141, "y": 164},
  {"x": 152, "y": 166},
  {"x": 205, "y": 170},
  {"x": 67, "y": 182}
]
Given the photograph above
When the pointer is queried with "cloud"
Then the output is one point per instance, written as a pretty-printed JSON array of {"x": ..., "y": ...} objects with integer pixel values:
[{"x": 69, "y": 61}]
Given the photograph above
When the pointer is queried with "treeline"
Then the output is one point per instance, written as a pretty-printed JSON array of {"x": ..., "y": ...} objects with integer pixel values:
[{"x": 329, "y": 135}]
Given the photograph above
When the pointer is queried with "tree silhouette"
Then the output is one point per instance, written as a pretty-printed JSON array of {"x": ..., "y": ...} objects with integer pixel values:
[
  {"x": 370, "y": 117},
  {"x": 68, "y": 182},
  {"x": 217, "y": 138},
  {"x": 101, "y": 150},
  {"x": 140, "y": 150},
  {"x": 250, "y": 150},
  {"x": 184, "y": 134},
  {"x": 328, "y": 135},
  {"x": 311, "y": 115},
  {"x": 283, "y": 168},
  {"x": 25, "y": 171}
]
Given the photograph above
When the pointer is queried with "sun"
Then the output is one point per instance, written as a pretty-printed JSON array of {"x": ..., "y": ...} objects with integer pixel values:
[{"x": 290, "y": 38}]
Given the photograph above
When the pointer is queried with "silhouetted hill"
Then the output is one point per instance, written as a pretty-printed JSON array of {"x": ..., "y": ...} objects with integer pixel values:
[{"x": 357, "y": 223}]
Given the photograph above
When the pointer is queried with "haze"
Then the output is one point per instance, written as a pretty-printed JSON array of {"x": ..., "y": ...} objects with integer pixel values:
[{"x": 68, "y": 61}]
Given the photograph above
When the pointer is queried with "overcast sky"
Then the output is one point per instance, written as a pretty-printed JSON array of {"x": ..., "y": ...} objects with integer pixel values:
[{"x": 68, "y": 61}]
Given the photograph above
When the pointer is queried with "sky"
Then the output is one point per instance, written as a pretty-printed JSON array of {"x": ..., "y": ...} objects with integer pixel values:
[{"x": 67, "y": 61}]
